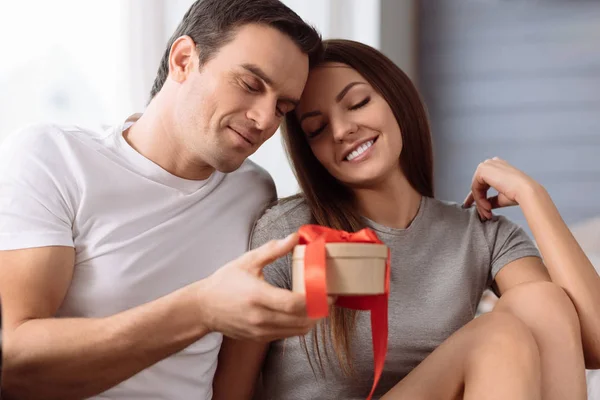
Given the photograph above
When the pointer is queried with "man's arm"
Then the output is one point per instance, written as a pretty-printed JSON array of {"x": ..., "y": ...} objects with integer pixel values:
[
  {"x": 78, "y": 357},
  {"x": 64, "y": 358}
]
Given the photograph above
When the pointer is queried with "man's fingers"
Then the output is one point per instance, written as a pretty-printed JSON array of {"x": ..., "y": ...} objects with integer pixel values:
[
  {"x": 282, "y": 300},
  {"x": 258, "y": 258},
  {"x": 269, "y": 324},
  {"x": 269, "y": 335},
  {"x": 276, "y": 321},
  {"x": 286, "y": 301}
]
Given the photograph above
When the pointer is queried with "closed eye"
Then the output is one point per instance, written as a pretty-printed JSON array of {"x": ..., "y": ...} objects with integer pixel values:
[
  {"x": 314, "y": 134},
  {"x": 278, "y": 111},
  {"x": 250, "y": 88},
  {"x": 361, "y": 104}
]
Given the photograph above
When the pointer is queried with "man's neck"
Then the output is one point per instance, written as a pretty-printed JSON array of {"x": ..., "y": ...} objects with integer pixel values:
[
  {"x": 393, "y": 203},
  {"x": 154, "y": 135}
]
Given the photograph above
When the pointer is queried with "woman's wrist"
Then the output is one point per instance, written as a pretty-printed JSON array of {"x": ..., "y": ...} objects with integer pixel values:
[{"x": 531, "y": 195}]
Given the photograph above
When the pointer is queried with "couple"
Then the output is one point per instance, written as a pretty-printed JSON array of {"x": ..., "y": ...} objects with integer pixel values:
[{"x": 123, "y": 270}]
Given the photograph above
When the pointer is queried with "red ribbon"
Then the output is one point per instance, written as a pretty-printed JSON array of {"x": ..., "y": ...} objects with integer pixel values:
[{"x": 315, "y": 280}]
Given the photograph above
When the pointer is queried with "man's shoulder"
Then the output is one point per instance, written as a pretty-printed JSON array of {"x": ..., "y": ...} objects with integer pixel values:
[
  {"x": 46, "y": 138},
  {"x": 33, "y": 149},
  {"x": 250, "y": 179},
  {"x": 34, "y": 135},
  {"x": 251, "y": 170}
]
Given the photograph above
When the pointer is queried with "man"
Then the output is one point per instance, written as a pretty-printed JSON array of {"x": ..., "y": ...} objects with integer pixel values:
[{"x": 118, "y": 269}]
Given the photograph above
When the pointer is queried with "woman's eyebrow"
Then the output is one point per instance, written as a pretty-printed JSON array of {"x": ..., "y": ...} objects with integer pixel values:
[
  {"x": 345, "y": 90},
  {"x": 338, "y": 98}
]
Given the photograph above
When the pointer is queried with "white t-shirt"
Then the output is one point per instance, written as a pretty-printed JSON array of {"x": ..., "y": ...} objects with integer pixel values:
[{"x": 139, "y": 232}]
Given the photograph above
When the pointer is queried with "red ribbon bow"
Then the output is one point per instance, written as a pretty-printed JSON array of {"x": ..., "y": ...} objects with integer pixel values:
[{"x": 315, "y": 280}]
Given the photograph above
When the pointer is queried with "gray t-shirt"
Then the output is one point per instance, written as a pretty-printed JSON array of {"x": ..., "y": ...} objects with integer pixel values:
[{"x": 440, "y": 266}]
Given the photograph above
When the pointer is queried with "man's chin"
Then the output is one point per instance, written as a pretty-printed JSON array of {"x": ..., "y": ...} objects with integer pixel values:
[{"x": 229, "y": 165}]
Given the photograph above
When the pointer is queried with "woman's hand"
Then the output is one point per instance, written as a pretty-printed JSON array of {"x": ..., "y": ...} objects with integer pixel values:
[{"x": 510, "y": 183}]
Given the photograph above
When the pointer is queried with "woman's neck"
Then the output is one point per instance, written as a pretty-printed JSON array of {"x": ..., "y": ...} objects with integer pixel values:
[{"x": 393, "y": 203}]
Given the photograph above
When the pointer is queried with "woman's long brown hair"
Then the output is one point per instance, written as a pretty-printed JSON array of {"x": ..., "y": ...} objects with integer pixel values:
[{"x": 332, "y": 203}]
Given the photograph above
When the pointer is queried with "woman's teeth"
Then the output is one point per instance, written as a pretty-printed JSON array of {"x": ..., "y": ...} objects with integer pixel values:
[{"x": 361, "y": 149}]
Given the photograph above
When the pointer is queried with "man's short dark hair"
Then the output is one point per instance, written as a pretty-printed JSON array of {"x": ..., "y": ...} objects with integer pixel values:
[{"x": 212, "y": 23}]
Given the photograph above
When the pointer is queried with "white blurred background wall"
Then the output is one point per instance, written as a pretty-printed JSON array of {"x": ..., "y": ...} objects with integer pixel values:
[{"x": 93, "y": 62}]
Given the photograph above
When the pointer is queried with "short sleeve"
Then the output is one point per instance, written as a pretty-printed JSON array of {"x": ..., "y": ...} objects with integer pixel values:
[
  {"x": 507, "y": 242},
  {"x": 34, "y": 206},
  {"x": 270, "y": 227}
]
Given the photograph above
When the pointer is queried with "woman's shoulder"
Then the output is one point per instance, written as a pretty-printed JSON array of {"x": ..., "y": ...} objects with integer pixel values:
[
  {"x": 281, "y": 219},
  {"x": 294, "y": 207},
  {"x": 453, "y": 213},
  {"x": 500, "y": 234},
  {"x": 459, "y": 218}
]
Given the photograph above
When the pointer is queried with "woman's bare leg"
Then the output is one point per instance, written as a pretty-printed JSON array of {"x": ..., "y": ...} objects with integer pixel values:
[
  {"x": 492, "y": 357},
  {"x": 552, "y": 319}
]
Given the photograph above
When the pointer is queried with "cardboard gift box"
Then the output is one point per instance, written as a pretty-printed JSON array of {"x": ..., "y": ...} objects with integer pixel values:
[
  {"x": 351, "y": 268},
  {"x": 355, "y": 266}
]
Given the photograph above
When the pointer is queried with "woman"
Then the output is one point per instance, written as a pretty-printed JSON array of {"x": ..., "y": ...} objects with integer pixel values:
[{"x": 360, "y": 146}]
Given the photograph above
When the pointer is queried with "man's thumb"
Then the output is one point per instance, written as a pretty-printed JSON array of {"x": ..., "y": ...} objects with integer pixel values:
[{"x": 254, "y": 261}]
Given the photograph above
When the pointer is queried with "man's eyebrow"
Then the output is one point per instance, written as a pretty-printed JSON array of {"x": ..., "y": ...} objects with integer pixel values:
[
  {"x": 338, "y": 98},
  {"x": 256, "y": 70}
]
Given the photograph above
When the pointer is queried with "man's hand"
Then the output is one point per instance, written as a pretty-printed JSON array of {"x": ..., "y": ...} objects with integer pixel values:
[{"x": 237, "y": 302}]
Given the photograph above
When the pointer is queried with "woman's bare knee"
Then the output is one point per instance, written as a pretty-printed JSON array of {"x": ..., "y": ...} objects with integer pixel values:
[
  {"x": 543, "y": 306},
  {"x": 504, "y": 344},
  {"x": 548, "y": 312},
  {"x": 492, "y": 357},
  {"x": 502, "y": 335},
  {"x": 552, "y": 319}
]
